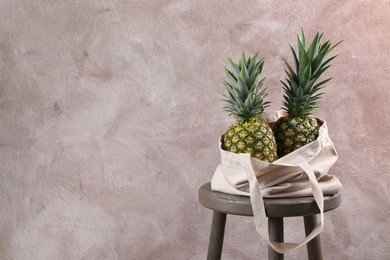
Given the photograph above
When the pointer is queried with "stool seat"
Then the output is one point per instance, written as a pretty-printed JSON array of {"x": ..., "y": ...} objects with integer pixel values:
[
  {"x": 241, "y": 205},
  {"x": 276, "y": 209}
]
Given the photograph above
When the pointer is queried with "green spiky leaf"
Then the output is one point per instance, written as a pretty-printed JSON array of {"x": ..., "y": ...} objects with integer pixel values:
[
  {"x": 245, "y": 98},
  {"x": 301, "y": 92}
]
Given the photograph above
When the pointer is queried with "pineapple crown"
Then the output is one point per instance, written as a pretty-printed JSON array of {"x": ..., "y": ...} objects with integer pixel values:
[
  {"x": 245, "y": 99},
  {"x": 301, "y": 93}
]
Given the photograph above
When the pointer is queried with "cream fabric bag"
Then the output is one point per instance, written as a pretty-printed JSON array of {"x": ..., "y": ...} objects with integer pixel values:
[{"x": 302, "y": 173}]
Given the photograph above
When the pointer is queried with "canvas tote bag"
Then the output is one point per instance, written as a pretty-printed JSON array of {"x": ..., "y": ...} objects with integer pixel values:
[{"x": 302, "y": 173}]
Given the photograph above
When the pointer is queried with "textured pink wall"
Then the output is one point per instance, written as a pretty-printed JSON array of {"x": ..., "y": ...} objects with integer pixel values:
[{"x": 110, "y": 116}]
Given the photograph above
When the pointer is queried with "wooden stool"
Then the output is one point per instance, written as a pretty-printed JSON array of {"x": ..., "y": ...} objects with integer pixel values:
[{"x": 276, "y": 210}]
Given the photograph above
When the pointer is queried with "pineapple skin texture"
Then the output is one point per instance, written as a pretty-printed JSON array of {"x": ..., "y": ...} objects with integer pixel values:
[
  {"x": 253, "y": 137},
  {"x": 293, "y": 132}
]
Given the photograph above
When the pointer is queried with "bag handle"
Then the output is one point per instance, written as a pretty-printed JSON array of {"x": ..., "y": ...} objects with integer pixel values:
[{"x": 261, "y": 221}]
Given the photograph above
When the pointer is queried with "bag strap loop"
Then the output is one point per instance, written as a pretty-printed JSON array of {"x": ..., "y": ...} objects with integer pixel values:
[{"x": 261, "y": 221}]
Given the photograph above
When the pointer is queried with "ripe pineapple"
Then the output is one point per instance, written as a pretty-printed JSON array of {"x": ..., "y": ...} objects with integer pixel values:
[
  {"x": 245, "y": 101},
  {"x": 301, "y": 95}
]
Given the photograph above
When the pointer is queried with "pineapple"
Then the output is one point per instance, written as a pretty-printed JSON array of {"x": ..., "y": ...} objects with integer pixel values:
[
  {"x": 302, "y": 94},
  {"x": 245, "y": 101}
]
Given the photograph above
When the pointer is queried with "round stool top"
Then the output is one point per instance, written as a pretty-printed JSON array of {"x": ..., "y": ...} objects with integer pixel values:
[{"x": 241, "y": 205}]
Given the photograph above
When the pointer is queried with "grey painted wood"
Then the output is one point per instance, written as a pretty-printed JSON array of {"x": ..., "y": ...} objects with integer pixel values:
[
  {"x": 314, "y": 251},
  {"x": 276, "y": 209},
  {"x": 276, "y": 233},
  {"x": 216, "y": 236},
  {"x": 241, "y": 205}
]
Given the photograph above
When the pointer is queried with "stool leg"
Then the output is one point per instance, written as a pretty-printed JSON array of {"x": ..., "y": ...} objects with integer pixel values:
[
  {"x": 314, "y": 246},
  {"x": 216, "y": 236},
  {"x": 276, "y": 233}
]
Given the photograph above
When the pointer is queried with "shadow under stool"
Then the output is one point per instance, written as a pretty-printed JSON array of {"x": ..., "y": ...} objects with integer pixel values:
[{"x": 276, "y": 209}]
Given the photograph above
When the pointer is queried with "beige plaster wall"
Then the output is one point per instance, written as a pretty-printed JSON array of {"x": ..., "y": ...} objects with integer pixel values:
[{"x": 110, "y": 114}]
